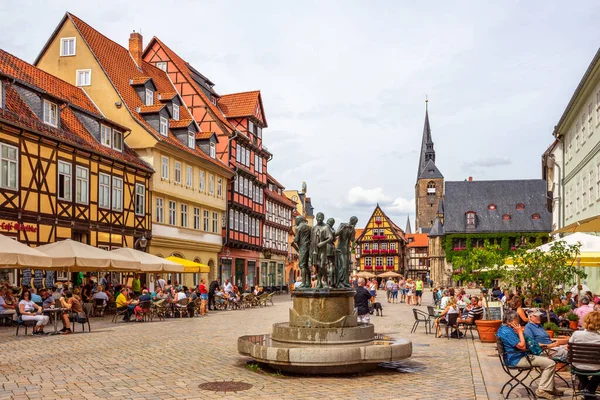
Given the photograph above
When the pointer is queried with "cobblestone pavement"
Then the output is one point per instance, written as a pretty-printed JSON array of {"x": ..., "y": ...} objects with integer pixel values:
[{"x": 169, "y": 359}]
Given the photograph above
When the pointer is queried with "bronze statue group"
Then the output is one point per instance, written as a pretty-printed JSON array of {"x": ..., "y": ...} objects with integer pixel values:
[{"x": 317, "y": 248}]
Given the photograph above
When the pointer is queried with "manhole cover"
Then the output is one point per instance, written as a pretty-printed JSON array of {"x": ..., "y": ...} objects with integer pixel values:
[{"x": 225, "y": 386}]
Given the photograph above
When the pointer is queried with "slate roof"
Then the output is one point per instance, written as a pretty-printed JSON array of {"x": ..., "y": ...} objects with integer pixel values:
[
  {"x": 437, "y": 229},
  {"x": 408, "y": 228},
  {"x": 431, "y": 171},
  {"x": 426, "y": 144},
  {"x": 464, "y": 196}
]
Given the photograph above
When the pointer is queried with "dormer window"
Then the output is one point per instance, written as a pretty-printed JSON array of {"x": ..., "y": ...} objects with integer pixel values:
[
  {"x": 212, "y": 150},
  {"x": 191, "y": 139},
  {"x": 117, "y": 143},
  {"x": 105, "y": 136},
  {"x": 164, "y": 126},
  {"x": 175, "y": 112},
  {"x": 491, "y": 207},
  {"x": 520, "y": 206},
  {"x": 506, "y": 217},
  {"x": 535, "y": 216},
  {"x": 149, "y": 97},
  {"x": 50, "y": 113},
  {"x": 471, "y": 219}
]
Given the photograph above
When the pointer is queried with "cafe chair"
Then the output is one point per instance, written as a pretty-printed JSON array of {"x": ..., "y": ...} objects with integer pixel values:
[
  {"x": 582, "y": 353},
  {"x": 517, "y": 374},
  {"x": 81, "y": 318},
  {"x": 420, "y": 316},
  {"x": 452, "y": 323},
  {"x": 99, "y": 307},
  {"x": 20, "y": 322},
  {"x": 470, "y": 326}
]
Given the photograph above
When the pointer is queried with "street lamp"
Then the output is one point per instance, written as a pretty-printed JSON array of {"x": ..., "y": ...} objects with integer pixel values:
[{"x": 141, "y": 243}]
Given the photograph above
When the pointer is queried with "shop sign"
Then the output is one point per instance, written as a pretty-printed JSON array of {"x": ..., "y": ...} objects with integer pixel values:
[{"x": 15, "y": 226}]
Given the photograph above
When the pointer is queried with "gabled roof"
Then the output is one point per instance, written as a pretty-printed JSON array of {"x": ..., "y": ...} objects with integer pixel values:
[
  {"x": 431, "y": 171},
  {"x": 206, "y": 135},
  {"x": 186, "y": 70},
  {"x": 408, "y": 229},
  {"x": 166, "y": 96},
  {"x": 393, "y": 227},
  {"x": 427, "y": 152},
  {"x": 270, "y": 178},
  {"x": 437, "y": 229},
  {"x": 243, "y": 104},
  {"x": 280, "y": 198},
  {"x": 418, "y": 240},
  {"x": 139, "y": 80},
  {"x": 155, "y": 108},
  {"x": 476, "y": 196},
  {"x": 120, "y": 68},
  {"x": 182, "y": 123}
]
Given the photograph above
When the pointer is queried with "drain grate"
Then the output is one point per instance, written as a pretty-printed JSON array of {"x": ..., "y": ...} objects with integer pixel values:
[{"x": 225, "y": 386}]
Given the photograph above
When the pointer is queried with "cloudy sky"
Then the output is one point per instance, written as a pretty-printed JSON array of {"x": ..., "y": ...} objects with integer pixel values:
[{"x": 344, "y": 83}]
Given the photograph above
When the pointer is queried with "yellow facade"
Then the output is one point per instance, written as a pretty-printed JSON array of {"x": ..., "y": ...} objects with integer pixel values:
[{"x": 199, "y": 244}]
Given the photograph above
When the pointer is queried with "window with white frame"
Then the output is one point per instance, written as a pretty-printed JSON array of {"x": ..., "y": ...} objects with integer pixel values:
[
  {"x": 177, "y": 172},
  {"x": 117, "y": 194},
  {"x": 149, "y": 97},
  {"x": 64, "y": 181},
  {"x": 202, "y": 183},
  {"x": 172, "y": 213},
  {"x": 246, "y": 186},
  {"x": 164, "y": 126},
  {"x": 205, "y": 221},
  {"x": 259, "y": 132},
  {"x": 379, "y": 261},
  {"x": 470, "y": 219},
  {"x": 175, "y": 112},
  {"x": 82, "y": 176},
  {"x": 117, "y": 143},
  {"x": 184, "y": 215},
  {"x": 584, "y": 193},
  {"x": 161, "y": 65},
  {"x": 215, "y": 222},
  {"x": 247, "y": 158},
  {"x": 164, "y": 168},
  {"x": 590, "y": 117},
  {"x": 390, "y": 262},
  {"x": 140, "y": 199},
  {"x": 9, "y": 166},
  {"x": 50, "y": 113},
  {"x": 231, "y": 221},
  {"x": 211, "y": 184},
  {"x": 67, "y": 46},
  {"x": 245, "y": 223},
  {"x": 213, "y": 151},
  {"x": 189, "y": 176},
  {"x": 591, "y": 186},
  {"x": 250, "y": 126},
  {"x": 160, "y": 211},
  {"x": 368, "y": 261},
  {"x": 191, "y": 140},
  {"x": 220, "y": 187},
  {"x": 577, "y": 198},
  {"x": 196, "y": 218},
  {"x": 236, "y": 220},
  {"x": 105, "y": 136},
  {"x": 83, "y": 77},
  {"x": 375, "y": 246},
  {"x": 103, "y": 190},
  {"x": 392, "y": 246}
]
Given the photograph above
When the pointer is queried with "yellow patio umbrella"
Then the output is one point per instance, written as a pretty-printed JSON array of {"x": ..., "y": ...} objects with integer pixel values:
[{"x": 190, "y": 266}]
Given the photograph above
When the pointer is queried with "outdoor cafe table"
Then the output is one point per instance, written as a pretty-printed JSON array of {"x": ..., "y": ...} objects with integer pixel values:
[{"x": 55, "y": 312}]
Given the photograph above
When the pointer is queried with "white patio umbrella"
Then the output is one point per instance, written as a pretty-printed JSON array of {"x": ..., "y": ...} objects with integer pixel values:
[
  {"x": 149, "y": 262},
  {"x": 17, "y": 255},
  {"x": 75, "y": 256}
]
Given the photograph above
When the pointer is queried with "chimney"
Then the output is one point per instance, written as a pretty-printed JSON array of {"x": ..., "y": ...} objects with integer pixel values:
[
  {"x": 136, "y": 47},
  {"x": 470, "y": 179}
]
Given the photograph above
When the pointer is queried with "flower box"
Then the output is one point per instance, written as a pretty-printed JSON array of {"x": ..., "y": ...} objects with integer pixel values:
[
  {"x": 383, "y": 251},
  {"x": 389, "y": 267},
  {"x": 378, "y": 222},
  {"x": 366, "y": 251},
  {"x": 368, "y": 267},
  {"x": 392, "y": 251},
  {"x": 459, "y": 248},
  {"x": 513, "y": 247},
  {"x": 379, "y": 267}
]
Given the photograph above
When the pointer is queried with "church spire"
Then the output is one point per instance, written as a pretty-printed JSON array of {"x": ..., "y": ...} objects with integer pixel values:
[
  {"x": 427, "y": 151},
  {"x": 408, "y": 230}
]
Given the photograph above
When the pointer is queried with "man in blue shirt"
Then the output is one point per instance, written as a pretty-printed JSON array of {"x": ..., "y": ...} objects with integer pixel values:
[
  {"x": 36, "y": 298},
  {"x": 536, "y": 331},
  {"x": 513, "y": 339}
]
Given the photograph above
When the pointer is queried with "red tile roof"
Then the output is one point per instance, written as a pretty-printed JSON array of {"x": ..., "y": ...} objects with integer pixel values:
[
  {"x": 120, "y": 69},
  {"x": 150, "y": 109},
  {"x": 270, "y": 177},
  {"x": 204, "y": 135},
  {"x": 280, "y": 198},
  {"x": 239, "y": 104},
  {"x": 184, "y": 69},
  {"x": 182, "y": 123},
  {"x": 55, "y": 87},
  {"x": 167, "y": 96},
  {"x": 419, "y": 240},
  {"x": 139, "y": 80}
]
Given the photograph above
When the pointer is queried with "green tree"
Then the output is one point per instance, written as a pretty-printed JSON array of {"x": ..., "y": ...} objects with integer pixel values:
[
  {"x": 540, "y": 272},
  {"x": 479, "y": 264}
]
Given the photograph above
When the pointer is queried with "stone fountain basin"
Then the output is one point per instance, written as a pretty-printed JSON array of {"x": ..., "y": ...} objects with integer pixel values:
[{"x": 335, "y": 357}]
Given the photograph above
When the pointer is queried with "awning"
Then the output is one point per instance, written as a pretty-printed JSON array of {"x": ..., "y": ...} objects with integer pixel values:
[
  {"x": 18, "y": 255},
  {"x": 190, "y": 266},
  {"x": 591, "y": 224},
  {"x": 149, "y": 262}
]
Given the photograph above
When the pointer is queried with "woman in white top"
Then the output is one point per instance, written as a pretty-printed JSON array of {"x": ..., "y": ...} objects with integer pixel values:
[
  {"x": 410, "y": 286},
  {"x": 591, "y": 334},
  {"x": 451, "y": 308},
  {"x": 32, "y": 312}
]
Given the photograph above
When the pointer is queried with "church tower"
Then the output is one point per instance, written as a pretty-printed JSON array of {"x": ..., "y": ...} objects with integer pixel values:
[{"x": 429, "y": 188}]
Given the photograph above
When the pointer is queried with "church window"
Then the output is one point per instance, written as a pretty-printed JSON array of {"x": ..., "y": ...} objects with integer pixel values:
[
  {"x": 520, "y": 206},
  {"x": 535, "y": 216},
  {"x": 431, "y": 188},
  {"x": 491, "y": 207},
  {"x": 506, "y": 217},
  {"x": 471, "y": 219}
]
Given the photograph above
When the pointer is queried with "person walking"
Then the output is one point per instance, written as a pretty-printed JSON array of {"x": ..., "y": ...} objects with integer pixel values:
[
  {"x": 402, "y": 285},
  {"x": 419, "y": 291},
  {"x": 361, "y": 302},
  {"x": 214, "y": 285},
  {"x": 388, "y": 289},
  {"x": 395, "y": 288},
  {"x": 203, "y": 297}
]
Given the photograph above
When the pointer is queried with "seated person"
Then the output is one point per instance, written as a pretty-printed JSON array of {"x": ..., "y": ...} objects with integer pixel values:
[
  {"x": 451, "y": 308},
  {"x": 536, "y": 331},
  {"x": 73, "y": 306},
  {"x": 513, "y": 338},
  {"x": 32, "y": 312},
  {"x": 138, "y": 309},
  {"x": 591, "y": 334},
  {"x": 123, "y": 302},
  {"x": 179, "y": 295},
  {"x": 474, "y": 311},
  {"x": 101, "y": 294},
  {"x": 47, "y": 299},
  {"x": 160, "y": 295},
  {"x": 5, "y": 308},
  {"x": 583, "y": 310},
  {"x": 36, "y": 298}
]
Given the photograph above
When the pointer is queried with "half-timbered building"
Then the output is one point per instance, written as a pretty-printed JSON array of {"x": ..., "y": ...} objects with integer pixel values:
[
  {"x": 189, "y": 188},
  {"x": 65, "y": 170},
  {"x": 381, "y": 245},
  {"x": 238, "y": 121}
]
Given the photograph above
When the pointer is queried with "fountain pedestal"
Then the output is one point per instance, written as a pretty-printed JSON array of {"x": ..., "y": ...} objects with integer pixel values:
[{"x": 323, "y": 337}]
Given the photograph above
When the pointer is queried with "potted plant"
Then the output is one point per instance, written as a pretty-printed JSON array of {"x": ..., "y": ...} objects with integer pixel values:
[
  {"x": 552, "y": 329},
  {"x": 562, "y": 310},
  {"x": 573, "y": 321}
]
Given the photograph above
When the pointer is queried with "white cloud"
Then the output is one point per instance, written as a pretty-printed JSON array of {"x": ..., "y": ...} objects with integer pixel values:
[
  {"x": 362, "y": 197},
  {"x": 402, "y": 206}
]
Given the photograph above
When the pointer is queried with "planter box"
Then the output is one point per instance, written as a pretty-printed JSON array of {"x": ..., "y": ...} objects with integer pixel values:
[{"x": 487, "y": 330}]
